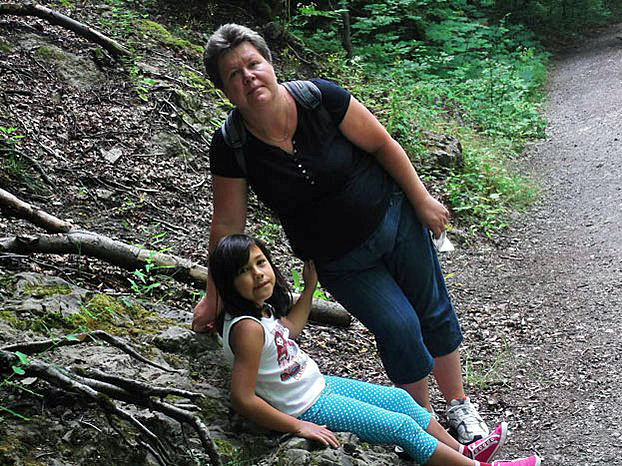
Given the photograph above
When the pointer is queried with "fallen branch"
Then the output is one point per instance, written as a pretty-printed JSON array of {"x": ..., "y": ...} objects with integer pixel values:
[
  {"x": 53, "y": 17},
  {"x": 70, "y": 240},
  {"x": 15, "y": 207},
  {"x": 124, "y": 255}
]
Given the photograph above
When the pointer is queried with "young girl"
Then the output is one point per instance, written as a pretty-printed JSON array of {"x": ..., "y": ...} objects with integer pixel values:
[{"x": 275, "y": 384}]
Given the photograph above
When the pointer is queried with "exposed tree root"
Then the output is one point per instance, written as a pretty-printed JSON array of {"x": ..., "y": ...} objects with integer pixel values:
[
  {"x": 40, "y": 346},
  {"x": 108, "y": 391}
]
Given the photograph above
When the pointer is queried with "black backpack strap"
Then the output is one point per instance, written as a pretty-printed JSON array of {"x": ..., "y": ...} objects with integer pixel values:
[
  {"x": 306, "y": 93},
  {"x": 234, "y": 134}
]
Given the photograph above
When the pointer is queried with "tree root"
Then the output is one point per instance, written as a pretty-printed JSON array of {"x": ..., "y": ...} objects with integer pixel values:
[
  {"x": 40, "y": 346},
  {"x": 107, "y": 391}
]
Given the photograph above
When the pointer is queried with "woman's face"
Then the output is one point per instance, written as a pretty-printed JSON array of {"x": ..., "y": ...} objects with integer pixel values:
[
  {"x": 255, "y": 281},
  {"x": 248, "y": 78}
]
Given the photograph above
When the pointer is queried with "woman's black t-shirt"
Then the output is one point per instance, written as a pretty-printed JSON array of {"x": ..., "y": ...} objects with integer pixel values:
[{"x": 329, "y": 194}]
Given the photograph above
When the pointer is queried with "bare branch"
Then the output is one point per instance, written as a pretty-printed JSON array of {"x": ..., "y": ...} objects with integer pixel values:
[{"x": 15, "y": 207}]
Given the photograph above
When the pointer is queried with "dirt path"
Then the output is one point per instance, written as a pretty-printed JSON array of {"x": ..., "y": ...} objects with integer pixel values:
[{"x": 560, "y": 273}]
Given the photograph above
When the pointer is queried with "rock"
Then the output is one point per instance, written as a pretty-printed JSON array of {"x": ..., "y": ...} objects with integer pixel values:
[
  {"x": 183, "y": 340},
  {"x": 446, "y": 149},
  {"x": 297, "y": 456}
]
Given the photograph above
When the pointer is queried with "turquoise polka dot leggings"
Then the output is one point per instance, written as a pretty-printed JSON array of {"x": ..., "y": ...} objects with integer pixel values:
[{"x": 376, "y": 414}]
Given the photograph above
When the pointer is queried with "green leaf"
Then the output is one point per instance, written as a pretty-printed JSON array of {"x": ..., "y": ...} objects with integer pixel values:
[
  {"x": 18, "y": 370},
  {"x": 22, "y": 358}
]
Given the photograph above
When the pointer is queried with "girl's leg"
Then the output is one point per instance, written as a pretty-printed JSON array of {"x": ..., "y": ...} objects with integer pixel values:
[
  {"x": 373, "y": 424},
  {"x": 378, "y": 425},
  {"x": 389, "y": 398}
]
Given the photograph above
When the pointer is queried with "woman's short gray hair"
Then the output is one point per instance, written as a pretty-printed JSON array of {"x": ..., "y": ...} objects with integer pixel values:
[{"x": 225, "y": 38}]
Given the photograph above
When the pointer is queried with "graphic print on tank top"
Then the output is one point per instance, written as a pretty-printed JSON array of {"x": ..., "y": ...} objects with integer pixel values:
[{"x": 291, "y": 361}]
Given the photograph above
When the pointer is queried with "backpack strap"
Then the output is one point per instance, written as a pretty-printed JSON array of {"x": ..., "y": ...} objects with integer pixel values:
[
  {"x": 234, "y": 133},
  {"x": 305, "y": 93}
]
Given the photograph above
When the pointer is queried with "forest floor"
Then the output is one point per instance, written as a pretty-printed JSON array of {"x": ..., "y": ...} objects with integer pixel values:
[{"x": 540, "y": 304}]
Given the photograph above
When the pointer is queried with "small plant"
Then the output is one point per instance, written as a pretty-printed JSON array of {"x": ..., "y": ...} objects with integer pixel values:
[
  {"x": 9, "y": 137},
  {"x": 268, "y": 232},
  {"x": 298, "y": 286},
  {"x": 23, "y": 361},
  {"x": 144, "y": 281},
  {"x": 17, "y": 371}
]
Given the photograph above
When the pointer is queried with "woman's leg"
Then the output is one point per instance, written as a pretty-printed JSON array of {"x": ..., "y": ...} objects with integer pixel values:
[
  {"x": 394, "y": 286},
  {"x": 414, "y": 265}
]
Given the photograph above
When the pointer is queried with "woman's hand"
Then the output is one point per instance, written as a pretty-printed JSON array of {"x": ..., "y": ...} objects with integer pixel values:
[
  {"x": 433, "y": 214},
  {"x": 205, "y": 313},
  {"x": 309, "y": 276},
  {"x": 317, "y": 433}
]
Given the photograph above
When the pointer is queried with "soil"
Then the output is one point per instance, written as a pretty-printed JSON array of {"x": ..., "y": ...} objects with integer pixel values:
[{"x": 539, "y": 304}]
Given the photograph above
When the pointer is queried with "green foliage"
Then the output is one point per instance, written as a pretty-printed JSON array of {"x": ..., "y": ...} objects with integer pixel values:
[
  {"x": 484, "y": 191},
  {"x": 298, "y": 286},
  {"x": 445, "y": 65},
  {"x": 9, "y": 137},
  {"x": 145, "y": 282},
  {"x": 557, "y": 20}
]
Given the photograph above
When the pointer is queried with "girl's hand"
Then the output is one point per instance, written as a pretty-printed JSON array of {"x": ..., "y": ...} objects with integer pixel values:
[
  {"x": 317, "y": 433},
  {"x": 433, "y": 214},
  {"x": 309, "y": 275}
]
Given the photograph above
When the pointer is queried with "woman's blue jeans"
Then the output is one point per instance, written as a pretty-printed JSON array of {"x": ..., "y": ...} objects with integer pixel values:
[{"x": 394, "y": 285}]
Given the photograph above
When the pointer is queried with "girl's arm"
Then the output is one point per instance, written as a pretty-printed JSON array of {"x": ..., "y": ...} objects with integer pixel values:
[
  {"x": 299, "y": 313},
  {"x": 246, "y": 339},
  {"x": 365, "y": 131},
  {"x": 230, "y": 206}
]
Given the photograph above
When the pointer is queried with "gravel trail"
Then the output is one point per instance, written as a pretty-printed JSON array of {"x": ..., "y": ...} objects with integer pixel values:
[{"x": 560, "y": 271}]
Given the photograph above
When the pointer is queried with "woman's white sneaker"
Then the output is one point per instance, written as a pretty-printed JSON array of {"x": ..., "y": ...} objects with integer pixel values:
[{"x": 465, "y": 421}]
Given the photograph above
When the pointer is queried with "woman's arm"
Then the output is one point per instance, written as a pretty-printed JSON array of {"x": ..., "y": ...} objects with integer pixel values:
[
  {"x": 246, "y": 339},
  {"x": 299, "y": 313},
  {"x": 365, "y": 131},
  {"x": 229, "y": 216}
]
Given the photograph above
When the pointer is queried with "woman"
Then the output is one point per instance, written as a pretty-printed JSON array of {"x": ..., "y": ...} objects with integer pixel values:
[{"x": 348, "y": 198}]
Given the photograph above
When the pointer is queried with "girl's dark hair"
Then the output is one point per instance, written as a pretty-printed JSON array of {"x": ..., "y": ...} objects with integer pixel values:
[{"x": 225, "y": 262}]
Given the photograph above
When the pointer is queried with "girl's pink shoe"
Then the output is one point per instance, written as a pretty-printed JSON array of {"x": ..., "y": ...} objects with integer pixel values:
[
  {"x": 483, "y": 450},
  {"x": 531, "y": 461}
]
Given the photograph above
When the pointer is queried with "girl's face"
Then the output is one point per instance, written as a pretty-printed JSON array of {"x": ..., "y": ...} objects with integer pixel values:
[
  {"x": 248, "y": 78},
  {"x": 255, "y": 281}
]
